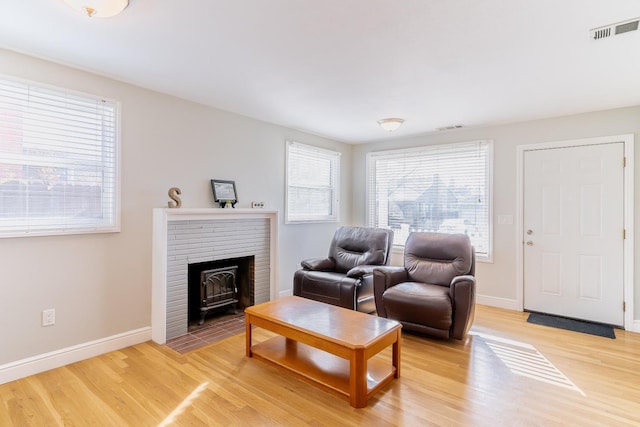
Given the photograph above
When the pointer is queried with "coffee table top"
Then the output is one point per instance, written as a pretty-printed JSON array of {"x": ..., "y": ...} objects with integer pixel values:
[{"x": 346, "y": 327}]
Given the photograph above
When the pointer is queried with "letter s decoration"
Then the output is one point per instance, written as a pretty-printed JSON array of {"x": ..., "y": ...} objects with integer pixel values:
[{"x": 173, "y": 194}]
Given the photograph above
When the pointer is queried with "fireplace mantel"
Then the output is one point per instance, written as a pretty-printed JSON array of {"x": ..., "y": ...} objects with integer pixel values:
[{"x": 161, "y": 219}]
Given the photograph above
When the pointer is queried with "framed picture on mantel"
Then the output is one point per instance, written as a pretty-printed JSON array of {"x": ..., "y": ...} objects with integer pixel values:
[{"x": 224, "y": 192}]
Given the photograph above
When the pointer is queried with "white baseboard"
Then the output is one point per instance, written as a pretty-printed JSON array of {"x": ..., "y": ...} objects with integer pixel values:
[
  {"x": 506, "y": 303},
  {"x": 54, "y": 359},
  {"x": 285, "y": 293},
  {"x": 509, "y": 304},
  {"x": 513, "y": 305}
]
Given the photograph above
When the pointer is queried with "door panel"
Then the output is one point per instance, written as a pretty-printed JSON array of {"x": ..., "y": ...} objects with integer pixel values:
[
  {"x": 552, "y": 273},
  {"x": 573, "y": 243}
]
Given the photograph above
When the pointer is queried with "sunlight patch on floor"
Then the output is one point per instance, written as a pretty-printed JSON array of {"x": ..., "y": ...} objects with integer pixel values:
[
  {"x": 171, "y": 418},
  {"x": 523, "y": 359}
]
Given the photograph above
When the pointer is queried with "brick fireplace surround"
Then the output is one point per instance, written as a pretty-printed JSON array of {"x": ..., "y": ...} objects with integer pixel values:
[{"x": 183, "y": 236}]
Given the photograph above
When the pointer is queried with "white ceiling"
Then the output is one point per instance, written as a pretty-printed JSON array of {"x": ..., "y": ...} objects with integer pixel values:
[{"x": 334, "y": 67}]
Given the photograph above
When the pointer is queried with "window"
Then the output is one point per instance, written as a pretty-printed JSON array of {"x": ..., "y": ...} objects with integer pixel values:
[
  {"x": 58, "y": 161},
  {"x": 441, "y": 188},
  {"x": 313, "y": 180}
]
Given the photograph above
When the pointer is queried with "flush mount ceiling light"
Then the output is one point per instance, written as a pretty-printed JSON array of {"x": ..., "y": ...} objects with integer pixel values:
[
  {"x": 390, "y": 124},
  {"x": 98, "y": 8}
]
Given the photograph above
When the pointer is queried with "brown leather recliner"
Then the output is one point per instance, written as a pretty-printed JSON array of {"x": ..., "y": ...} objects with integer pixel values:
[
  {"x": 339, "y": 279},
  {"x": 434, "y": 293}
]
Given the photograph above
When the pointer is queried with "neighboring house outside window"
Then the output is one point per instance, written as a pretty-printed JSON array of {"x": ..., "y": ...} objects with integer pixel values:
[
  {"x": 313, "y": 183},
  {"x": 58, "y": 161},
  {"x": 439, "y": 188}
]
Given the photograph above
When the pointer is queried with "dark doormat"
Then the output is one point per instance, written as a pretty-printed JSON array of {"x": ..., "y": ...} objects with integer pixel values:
[{"x": 572, "y": 325}]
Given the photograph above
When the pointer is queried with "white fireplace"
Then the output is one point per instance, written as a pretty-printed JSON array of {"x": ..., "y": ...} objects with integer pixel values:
[{"x": 184, "y": 236}]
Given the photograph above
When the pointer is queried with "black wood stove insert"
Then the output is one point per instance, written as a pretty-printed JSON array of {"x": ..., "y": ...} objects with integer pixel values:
[{"x": 217, "y": 287}]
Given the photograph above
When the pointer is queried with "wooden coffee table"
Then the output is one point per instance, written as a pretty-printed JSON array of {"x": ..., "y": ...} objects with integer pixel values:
[{"x": 327, "y": 346}]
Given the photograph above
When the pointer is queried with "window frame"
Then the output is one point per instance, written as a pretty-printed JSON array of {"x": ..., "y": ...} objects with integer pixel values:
[
  {"x": 370, "y": 196},
  {"x": 49, "y": 227},
  {"x": 334, "y": 157}
]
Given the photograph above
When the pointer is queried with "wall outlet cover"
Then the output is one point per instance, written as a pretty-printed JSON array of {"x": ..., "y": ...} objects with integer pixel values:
[{"x": 49, "y": 317}]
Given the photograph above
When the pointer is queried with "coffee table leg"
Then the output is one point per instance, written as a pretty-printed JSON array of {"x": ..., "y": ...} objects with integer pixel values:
[
  {"x": 358, "y": 379},
  {"x": 247, "y": 327},
  {"x": 396, "y": 355}
]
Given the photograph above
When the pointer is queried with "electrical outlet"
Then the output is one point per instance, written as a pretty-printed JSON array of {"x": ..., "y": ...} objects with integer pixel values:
[
  {"x": 259, "y": 205},
  {"x": 49, "y": 317}
]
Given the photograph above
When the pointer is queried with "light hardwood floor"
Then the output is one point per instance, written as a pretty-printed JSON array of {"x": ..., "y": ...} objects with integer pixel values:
[{"x": 507, "y": 373}]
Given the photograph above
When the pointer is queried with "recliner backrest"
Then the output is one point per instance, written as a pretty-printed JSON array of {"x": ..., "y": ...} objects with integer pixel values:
[
  {"x": 437, "y": 258},
  {"x": 353, "y": 246}
]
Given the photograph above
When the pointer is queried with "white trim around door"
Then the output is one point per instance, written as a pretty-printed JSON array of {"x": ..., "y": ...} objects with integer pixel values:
[{"x": 628, "y": 141}]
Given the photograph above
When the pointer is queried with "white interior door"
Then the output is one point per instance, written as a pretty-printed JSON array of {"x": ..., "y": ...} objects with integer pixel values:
[{"x": 573, "y": 232}]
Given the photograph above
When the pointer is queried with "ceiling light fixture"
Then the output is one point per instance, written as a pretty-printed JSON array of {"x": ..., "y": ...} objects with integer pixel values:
[
  {"x": 98, "y": 8},
  {"x": 390, "y": 124}
]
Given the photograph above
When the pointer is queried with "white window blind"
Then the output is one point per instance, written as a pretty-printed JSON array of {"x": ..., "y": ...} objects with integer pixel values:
[
  {"x": 313, "y": 182},
  {"x": 58, "y": 161},
  {"x": 441, "y": 188}
]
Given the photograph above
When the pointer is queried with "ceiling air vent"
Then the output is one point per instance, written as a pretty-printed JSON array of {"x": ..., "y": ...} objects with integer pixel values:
[
  {"x": 449, "y": 127},
  {"x": 615, "y": 29}
]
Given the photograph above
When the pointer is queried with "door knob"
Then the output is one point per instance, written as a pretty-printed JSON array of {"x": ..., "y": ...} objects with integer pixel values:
[
  {"x": 529, "y": 232},
  {"x": 529, "y": 243}
]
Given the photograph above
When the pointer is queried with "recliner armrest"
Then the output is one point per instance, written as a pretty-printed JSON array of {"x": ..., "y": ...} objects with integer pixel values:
[
  {"x": 384, "y": 278},
  {"x": 319, "y": 264},
  {"x": 458, "y": 279},
  {"x": 392, "y": 275},
  {"x": 463, "y": 297},
  {"x": 361, "y": 270}
]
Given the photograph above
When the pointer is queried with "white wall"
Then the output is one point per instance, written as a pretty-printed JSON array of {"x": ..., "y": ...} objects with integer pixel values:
[
  {"x": 497, "y": 280},
  {"x": 100, "y": 284}
]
